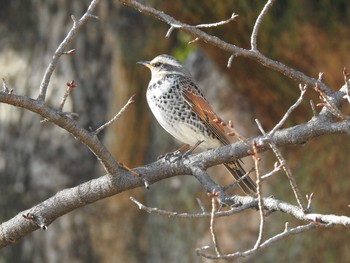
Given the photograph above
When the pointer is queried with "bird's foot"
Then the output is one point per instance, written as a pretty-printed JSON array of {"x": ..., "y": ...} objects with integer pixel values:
[
  {"x": 180, "y": 154},
  {"x": 172, "y": 156}
]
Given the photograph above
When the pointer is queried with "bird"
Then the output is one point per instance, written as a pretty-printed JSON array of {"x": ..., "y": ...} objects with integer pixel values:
[{"x": 178, "y": 104}]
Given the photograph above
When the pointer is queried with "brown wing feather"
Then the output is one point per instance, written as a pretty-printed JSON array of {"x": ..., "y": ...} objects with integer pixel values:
[{"x": 201, "y": 106}]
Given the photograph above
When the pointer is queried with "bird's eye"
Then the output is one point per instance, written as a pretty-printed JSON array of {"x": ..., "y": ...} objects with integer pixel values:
[{"x": 157, "y": 64}]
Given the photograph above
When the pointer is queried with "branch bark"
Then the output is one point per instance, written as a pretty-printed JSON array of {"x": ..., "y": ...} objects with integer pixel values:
[{"x": 122, "y": 180}]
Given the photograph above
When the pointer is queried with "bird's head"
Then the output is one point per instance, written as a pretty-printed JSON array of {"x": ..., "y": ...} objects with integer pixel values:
[{"x": 164, "y": 65}]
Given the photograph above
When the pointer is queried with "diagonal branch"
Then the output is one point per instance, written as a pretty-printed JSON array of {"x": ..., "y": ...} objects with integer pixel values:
[
  {"x": 116, "y": 117},
  {"x": 67, "y": 200},
  {"x": 61, "y": 120},
  {"x": 289, "y": 111},
  {"x": 230, "y": 48},
  {"x": 77, "y": 24}
]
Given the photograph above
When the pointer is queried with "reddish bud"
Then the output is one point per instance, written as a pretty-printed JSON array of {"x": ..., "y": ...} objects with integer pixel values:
[
  {"x": 71, "y": 84},
  {"x": 250, "y": 152},
  {"x": 231, "y": 133}
]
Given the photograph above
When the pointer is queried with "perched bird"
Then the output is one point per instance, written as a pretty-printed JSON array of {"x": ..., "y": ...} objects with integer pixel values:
[{"x": 181, "y": 109}]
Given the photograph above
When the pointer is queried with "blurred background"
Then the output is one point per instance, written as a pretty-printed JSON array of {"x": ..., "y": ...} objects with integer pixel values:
[{"x": 37, "y": 160}]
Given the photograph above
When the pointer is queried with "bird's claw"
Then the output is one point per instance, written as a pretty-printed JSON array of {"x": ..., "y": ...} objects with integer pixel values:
[{"x": 173, "y": 157}]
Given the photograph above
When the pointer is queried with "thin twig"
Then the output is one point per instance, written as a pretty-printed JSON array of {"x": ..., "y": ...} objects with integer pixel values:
[
  {"x": 77, "y": 24},
  {"x": 233, "y": 132},
  {"x": 229, "y": 62},
  {"x": 70, "y": 85},
  {"x": 254, "y": 36},
  {"x": 116, "y": 117},
  {"x": 193, "y": 41},
  {"x": 203, "y": 214},
  {"x": 259, "y": 193},
  {"x": 4, "y": 86},
  {"x": 286, "y": 233},
  {"x": 212, "y": 230},
  {"x": 277, "y": 168},
  {"x": 313, "y": 108},
  {"x": 289, "y": 111},
  {"x": 168, "y": 33},
  {"x": 327, "y": 102},
  {"x": 238, "y": 180},
  {"x": 200, "y": 204},
  {"x": 309, "y": 201},
  {"x": 286, "y": 169},
  {"x": 173, "y": 26},
  {"x": 232, "y": 18}
]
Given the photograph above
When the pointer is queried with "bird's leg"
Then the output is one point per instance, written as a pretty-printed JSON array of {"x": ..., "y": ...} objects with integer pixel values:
[
  {"x": 176, "y": 154},
  {"x": 187, "y": 153}
]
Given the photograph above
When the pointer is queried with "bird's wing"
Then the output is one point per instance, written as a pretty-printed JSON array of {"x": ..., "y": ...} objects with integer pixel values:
[{"x": 200, "y": 105}]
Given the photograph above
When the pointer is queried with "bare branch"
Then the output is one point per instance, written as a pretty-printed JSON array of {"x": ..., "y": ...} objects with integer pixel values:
[
  {"x": 203, "y": 214},
  {"x": 200, "y": 204},
  {"x": 70, "y": 85},
  {"x": 259, "y": 193},
  {"x": 232, "y": 18},
  {"x": 276, "y": 169},
  {"x": 230, "y": 48},
  {"x": 233, "y": 132},
  {"x": 267, "y": 243},
  {"x": 229, "y": 62},
  {"x": 309, "y": 200},
  {"x": 313, "y": 108},
  {"x": 236, "y": 182},
  {"x": 254, "y": 36},
  {"x": 210, "y": 25},
  {"x": 328, "y": 103},
  {"x": 116, "y": 117},
  {"x": 70, "y": 125},
  {"x": 77, "y": 24},
  {"x": 286, "y": 169},
  {"x": 105, "y": 186},
  {"x": 290, "y": 110},
  {"x": 212, "y": 229}
]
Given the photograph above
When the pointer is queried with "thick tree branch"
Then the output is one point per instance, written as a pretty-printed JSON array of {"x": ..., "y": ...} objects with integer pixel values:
[
  {"x": 70, "y": 199},
  {"x": 61, "y": 120}
]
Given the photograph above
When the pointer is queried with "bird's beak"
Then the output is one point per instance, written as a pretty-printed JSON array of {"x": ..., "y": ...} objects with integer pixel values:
[{"x": 145, "y": 63}]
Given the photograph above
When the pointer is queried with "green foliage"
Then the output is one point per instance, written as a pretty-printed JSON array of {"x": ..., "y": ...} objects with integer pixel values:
[{"x": 181, "y": 48}]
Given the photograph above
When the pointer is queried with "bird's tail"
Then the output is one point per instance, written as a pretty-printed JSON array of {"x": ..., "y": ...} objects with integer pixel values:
[{"x": 247, "y": 184}]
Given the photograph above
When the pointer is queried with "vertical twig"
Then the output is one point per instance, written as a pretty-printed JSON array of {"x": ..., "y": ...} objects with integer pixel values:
[
  {"x": 77, "y": 24},
  {"x": 281, "y": 160},
  {"x": 212, "y": 230},
  {"x": 259, "y": 193},
  {"x": 254, "y": 36},
  {"x": 70, "y": 85}
]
